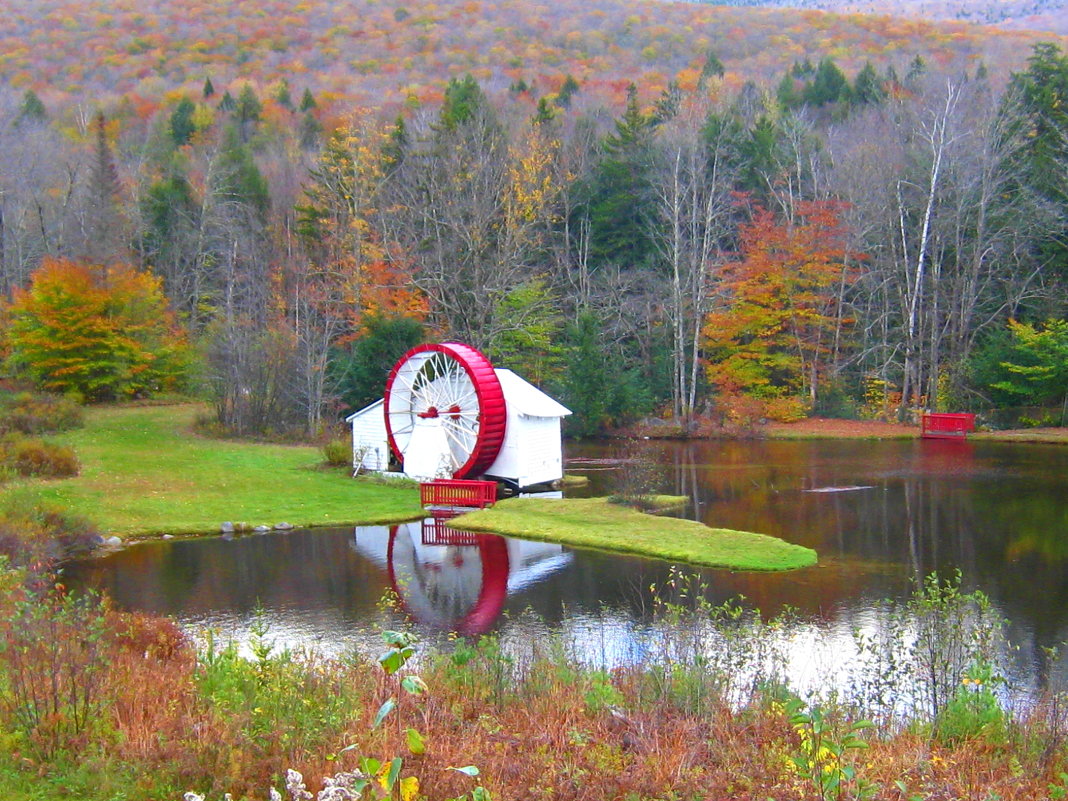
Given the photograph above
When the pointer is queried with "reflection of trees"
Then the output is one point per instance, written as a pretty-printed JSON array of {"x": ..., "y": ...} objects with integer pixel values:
[
  {"x": 993, "y": 511},
  {"x": 196, "y": 578}
]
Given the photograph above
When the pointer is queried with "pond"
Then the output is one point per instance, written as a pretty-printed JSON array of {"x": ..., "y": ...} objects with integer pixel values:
[{"x": 881, "y": 514}]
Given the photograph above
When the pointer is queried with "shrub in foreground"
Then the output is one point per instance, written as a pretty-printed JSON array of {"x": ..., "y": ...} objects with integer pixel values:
[
  {"x": 337, "y": 453},
  {"x": 38, "y": 413},
  {"x": 53, "y": 658},
  {"x": 36, "y": 534},
  {"x": 37, "y": 458}
]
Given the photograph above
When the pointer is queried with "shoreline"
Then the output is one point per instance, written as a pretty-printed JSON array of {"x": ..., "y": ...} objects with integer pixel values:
[{"x": 814, "y": 428}]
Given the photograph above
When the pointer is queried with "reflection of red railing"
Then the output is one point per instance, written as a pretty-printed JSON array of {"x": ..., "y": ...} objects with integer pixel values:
[
  {"x": 455, "y": 492},
  {"x": 943, "y": 425},
  {"x": 436, "y": 531}
]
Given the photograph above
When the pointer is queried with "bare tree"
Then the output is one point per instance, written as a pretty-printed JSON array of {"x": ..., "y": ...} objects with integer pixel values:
[
  {"x": 693, "y": 185},
  {"x": 472, "y": 214}
]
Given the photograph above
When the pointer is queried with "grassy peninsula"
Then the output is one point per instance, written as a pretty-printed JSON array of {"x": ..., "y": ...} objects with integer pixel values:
[
  {"x": 143, "y": 473},
  {"x": 597, "y": 523}
]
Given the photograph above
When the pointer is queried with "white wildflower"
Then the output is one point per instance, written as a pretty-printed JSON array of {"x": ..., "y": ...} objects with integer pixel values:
[
  {"x": 340, "y": 787},
  {"x": 295, "y": 786}
]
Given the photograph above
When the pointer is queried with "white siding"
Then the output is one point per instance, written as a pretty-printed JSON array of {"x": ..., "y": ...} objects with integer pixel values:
[
  {"x": 532, "y": 452},
  {"x": 369, "y": 440}
]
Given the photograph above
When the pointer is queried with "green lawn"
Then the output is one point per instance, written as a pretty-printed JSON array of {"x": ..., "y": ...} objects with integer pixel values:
[
  {"x": 596, "y": 523},
  {"x": 144, "y": 472}
]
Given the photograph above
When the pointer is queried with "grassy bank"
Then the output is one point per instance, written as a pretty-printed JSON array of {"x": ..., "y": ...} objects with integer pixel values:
[
  {"x": 821, "y": 428},
  {"x": 701, "y": 711},
  {"x": 144, "y": 472},
  {"x": 1048, "y": 436},
  {"x": 596, "y": 523}
]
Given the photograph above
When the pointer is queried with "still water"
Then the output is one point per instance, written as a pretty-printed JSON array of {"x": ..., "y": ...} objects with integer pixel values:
[{"x": 880, "y": 515}]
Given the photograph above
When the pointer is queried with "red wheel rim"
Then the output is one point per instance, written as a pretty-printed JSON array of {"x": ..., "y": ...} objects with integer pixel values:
[
  {"x": 493, "y": 553},
  {"x": 475, "y": 412}
]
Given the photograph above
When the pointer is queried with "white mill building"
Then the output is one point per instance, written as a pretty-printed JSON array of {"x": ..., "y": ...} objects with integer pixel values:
[{"x": 448, "y": 413}]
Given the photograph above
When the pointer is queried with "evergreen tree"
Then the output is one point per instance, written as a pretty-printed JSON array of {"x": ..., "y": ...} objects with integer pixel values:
[
  {"x": 248, "y": 111},
  {"x": 463, "y": 101},
  {"x": 240, "y": 180},
  {"x": 31, "y": 107},
  {"x": 310, "y": 131},
  {"x": 282, "y": 95},
  {"x": 227, "y": 103},
  {"x": 181, "y": 122},
  {"x": 760, "y": 154},
  {"x": 868, "y": 88},
  {"x": 359, "y": 369},
  {"x": 787, "y": 93},
  {"x": 307, "y": 101},
  {"x": 567, "y": 90},
  {"x": 667, "y": 105},
  {"x": 1039, "y": 101},
  {"x": 209, "y": 88},
  {"x": 519, "y": 87},
  {"x": 545, "y": 112},
  {"x": 104, "y": 239},
  {"x": 917, "y": 68},
  {"x": 619, "y": 233},
  {"x": 396, "y": 145},
  {"x": 828, "y": 86},
  {"x": 170, "y": 218},
  {"x": 586, "y": 377},
  {"x": 712, "y": 67}
]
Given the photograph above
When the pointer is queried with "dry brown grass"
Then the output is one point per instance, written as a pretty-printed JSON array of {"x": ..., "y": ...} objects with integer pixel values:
[{"x": 535, "y": 737}]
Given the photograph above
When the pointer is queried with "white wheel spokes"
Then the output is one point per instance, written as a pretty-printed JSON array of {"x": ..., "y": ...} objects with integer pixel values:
[{"x": 436, "y": 386}]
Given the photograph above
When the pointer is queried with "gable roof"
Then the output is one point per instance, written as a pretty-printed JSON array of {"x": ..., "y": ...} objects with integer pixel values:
[
  {"x": 365, "y": 410},
  {"x": 524, "y": 398}
]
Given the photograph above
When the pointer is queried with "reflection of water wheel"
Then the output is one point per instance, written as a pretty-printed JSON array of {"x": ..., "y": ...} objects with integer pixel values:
[
  {"x": 456, "y": 385},
  {"x": 419, "y": 591}
]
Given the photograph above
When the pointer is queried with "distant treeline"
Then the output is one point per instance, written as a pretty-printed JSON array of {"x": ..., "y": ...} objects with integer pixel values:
[{"x": 857, "y": 244}]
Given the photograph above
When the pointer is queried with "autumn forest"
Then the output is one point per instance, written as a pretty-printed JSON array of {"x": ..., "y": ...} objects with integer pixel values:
[{"x": 690, "y": 212}]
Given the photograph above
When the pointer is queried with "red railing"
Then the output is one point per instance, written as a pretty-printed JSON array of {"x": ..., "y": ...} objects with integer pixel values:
[
  {"x": 457, "y": 492},
  {"x": 942, "y": 425}
]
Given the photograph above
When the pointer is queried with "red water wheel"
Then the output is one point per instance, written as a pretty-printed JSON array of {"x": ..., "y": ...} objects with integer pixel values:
[{"x": 455, "y": 384}]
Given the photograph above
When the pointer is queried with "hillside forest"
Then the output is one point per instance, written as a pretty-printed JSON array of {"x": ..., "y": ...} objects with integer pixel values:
[{"x": 643, "y": 209}]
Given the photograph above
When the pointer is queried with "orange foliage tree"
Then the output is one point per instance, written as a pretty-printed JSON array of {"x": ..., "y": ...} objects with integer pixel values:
[
  {"x": 782, "y": 320},
  {"x": 102, "y": 332}
]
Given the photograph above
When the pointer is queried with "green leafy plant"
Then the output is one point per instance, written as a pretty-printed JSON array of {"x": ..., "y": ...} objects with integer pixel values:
[
  {"x": 822, "y": 756},
  {"x": 601, "y": 694},
  {"x": 381, "y": 778},
  {"x": 713, "y": 655},
  {"x": 277, "y": 701},
  {"x": 974, "y": 711}
]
